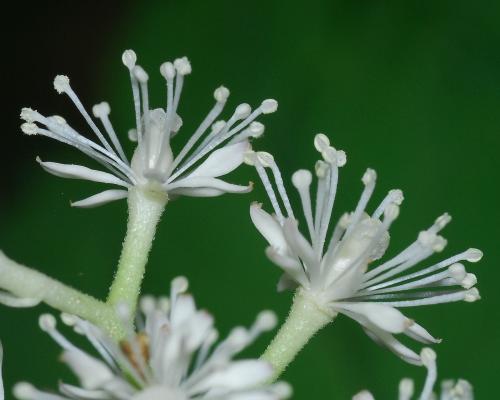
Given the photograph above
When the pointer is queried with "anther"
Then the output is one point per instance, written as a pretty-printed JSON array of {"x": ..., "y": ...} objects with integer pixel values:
[
  {"x": 469, "y": 281},
  {"x": 180, "y": 284},
  {"x": 302, "y": 178},
  {"x": 183, "y": 66},
  {"x": 140, "y": 74},
  {"x": 472, "y": 295},
  {"x": 47, "y": 322},
  {"x": 101, "y": 110},
  {"x": 321, "y": 169},
  {"x": 61, "y": 83},
  {"x": 457, "y": 272},
  {"x": 369, "y": 176},
  {"x": 28, "y": 114},
  {"x": 256, "y": 129},
  {"x": 242, "y": 111},
  {"x": 221, "y": 94},
  {"x": 129, "y": 58},
  {"x": 396, "y": 196},
  {"x": 167, "y": 70},
  {"x": 265, "y": 159},
  {"x": 321, "y": 142},
  {"x": 473, "y": 255},
  {"x": 329, "y": 154},
  {"x": 29, "y": 128},
  {"x": 428, "y": 356},
  {"x": 269, "y": 106},
  {"x": 266, "y": 320}
]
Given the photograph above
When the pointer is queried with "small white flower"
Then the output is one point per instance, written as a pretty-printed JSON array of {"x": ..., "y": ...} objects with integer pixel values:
[
  {"x": 172, "y": 356},
  {"x": 339, "y": 275},
  {"x": 195, "y": 171},
  {"x": 450, "y": 390}
]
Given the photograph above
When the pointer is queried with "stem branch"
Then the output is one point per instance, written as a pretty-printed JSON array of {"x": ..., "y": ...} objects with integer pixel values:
[
  {"x": 25, "y": 282},
  {"x": 145, "y": 209},
  {"x": 306, "y": 318}
]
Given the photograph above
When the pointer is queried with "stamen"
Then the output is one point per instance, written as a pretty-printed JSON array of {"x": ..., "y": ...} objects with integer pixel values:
[
  {"x": 394, "y": 196},
  {"x": 178, "y": 286},
  {"x": 183, "y": 67},
  {"x": 369, "y": 179},
  {"x": 406, "y": 389},
  {"x": 167, "y": 70},
  {"x": 255, "y": 130},
  {"x": 102, "y": 111},
  {"x": 263, "y": 160},
  {"x": 221, "y": 94},
  {"x": 469, "y": 296},
  {"x": 48, "y": 324},
  {"x": 328, "y": 207},
  {"x": 322, "y": 172},
  {"x": 471, "y": 255},
  {"x": 129, "y": 59},
  {"x": 61, "y": 84},
  {"x": 267, "y": 106},
  {"x": 428, "y": 357},
  {"x": 302, "y": 179},
  {"x": 142, "y": 77},
  {"x": 281, "y": 187}
]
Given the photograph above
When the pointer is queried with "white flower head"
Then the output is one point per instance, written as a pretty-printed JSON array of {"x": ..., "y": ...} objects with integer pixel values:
[
  {"x": 341, "y": 275},
  {"x": 450, "y": 390},
  {"x": 195, "y": 171},
  {"x": 173, "y": 355}
]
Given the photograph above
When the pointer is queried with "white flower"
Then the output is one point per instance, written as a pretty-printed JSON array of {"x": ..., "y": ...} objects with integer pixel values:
[
  {"x": 450, "y": 390},
  {"x": 171, "y": 357},
  {"x": 195, "y": 171},
  {"x": 339, "y": 275}
]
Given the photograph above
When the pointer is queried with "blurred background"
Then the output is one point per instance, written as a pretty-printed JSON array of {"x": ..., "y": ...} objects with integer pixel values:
[{"x": 408, "y": 88}]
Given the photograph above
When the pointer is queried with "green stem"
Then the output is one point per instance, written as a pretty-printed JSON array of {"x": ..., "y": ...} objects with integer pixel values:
[
  {"x": 24, "y": 282},
  {"x": 306, "y": 318},
  {"x": 145, "y": 209}
]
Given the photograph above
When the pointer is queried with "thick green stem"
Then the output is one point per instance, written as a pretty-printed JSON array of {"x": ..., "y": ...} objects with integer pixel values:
[
  {"x": 25, "y": 282},
  {"x": 306, "y": 318},
  {"x": 145, "y": 209}
]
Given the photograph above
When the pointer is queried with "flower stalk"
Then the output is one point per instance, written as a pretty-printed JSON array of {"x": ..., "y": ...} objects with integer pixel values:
[
  {"x": 26, "y": 283},
  {"x": 145, "y": 209},
  {"x": 306, "y": 318}
]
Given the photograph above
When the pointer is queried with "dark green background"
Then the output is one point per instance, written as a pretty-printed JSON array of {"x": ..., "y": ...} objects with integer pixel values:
[{"x": 411, "y": 89}]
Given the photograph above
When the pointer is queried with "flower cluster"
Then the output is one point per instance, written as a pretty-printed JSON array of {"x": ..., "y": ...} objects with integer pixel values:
[
  {"x": 173, "y": 355},
  {"x": 195, "y": 171},
  {"x": 339, "y": 274},
  {"x": 450, "y": 390}
]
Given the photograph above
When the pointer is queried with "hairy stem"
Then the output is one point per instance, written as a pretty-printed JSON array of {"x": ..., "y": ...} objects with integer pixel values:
[
  {"x": 145, "y": 209},
  {"x": 306, "y": 318},
  {"x": 25, "y": 282}
]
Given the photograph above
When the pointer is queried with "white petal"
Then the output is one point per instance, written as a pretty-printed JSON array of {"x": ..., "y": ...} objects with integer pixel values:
[
  {"x": 387, "y": 340},
  {"x": 101, "y": 198},
  {"x": 73, "y": 171},
  {"x": 300, "y": 246},
  {"x": 91, "y": 372},
  {"x": 286, "y": 283},
  {"x": 204, "y": 182},
  {"x": 159, "y": 393},
  {"x": 384, "y": 317},
  {"x": 79, "y": 393},
  {"x": 268, "y": 227},
  {"x": 292, "y": 267},
  {"x": 417, "y": 332},
  {"x": 238, "y": 375},
  {"x": 14, "y": 301},
  {"x": 222, "y": 161}
]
